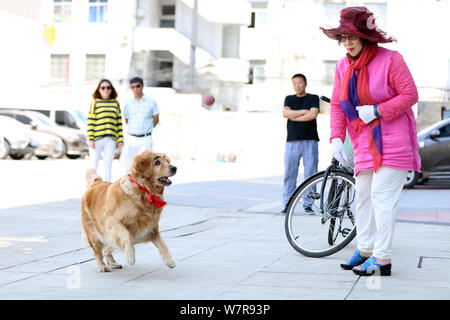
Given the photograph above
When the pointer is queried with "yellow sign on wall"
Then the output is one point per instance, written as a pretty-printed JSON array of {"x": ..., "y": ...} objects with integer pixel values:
[{"x": 49, "y": 34}]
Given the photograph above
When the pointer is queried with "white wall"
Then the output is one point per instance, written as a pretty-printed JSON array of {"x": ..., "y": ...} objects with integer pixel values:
[
  {"x": 80, "y": 37},
  {"x": 20, "y": 57}
]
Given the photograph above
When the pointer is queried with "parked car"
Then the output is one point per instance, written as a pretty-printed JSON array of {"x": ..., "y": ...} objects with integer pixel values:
[
  {"x": 47, "y": 145},
  {"x": 434, "y": 150},
  {"x": 3, "y": 153},
  {"x": 76, "y": 119},
  {"x": 74, "y": 141},
  {"x": 17, "y": 142}
]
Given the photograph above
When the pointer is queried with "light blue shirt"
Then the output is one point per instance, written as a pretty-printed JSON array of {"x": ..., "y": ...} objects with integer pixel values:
[{"x": 140, "y": 115}]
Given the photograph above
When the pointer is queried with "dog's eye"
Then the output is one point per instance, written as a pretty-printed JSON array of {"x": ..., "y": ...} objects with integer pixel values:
[{"x": 157, "y": 163}]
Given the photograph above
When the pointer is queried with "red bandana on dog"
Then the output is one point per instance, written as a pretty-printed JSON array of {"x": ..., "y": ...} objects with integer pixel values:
[{"x": 152, "y": 199}]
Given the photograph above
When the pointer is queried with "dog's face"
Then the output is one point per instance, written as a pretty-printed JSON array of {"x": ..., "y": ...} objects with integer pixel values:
[{"x": 153, "y": 167}]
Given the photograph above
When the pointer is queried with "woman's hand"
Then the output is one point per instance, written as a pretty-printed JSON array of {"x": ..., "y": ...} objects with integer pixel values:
[
  {"x": 92, "y": 144},
  {"x": 366, "y": 113},
  {"x": 338, "y": 151},
  {"x": 119, "y": 145}
]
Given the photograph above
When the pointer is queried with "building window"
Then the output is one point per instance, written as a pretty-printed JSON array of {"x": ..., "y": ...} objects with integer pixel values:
[
  {"x": 167, "y": 16},
  {"x": 62, "y": 10},
  {"x": 59, "y": 67},
  {"x": 329, "y": 68},
  {"x": 258, "y": 15},
  {"x": 257, "y": 71},
  {"x": 162, "y": 68},
  {"x": 168, "y": 10},
  {"x": 95, "y": 67},
  {"x": 167, "y": 23},
  {"x": 258, "y": 19},
  {"x": 97, "y": 10}
]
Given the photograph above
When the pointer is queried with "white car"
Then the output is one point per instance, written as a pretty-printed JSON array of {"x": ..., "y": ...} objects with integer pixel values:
[
  {"x": 17, "y": 140},
  {"x": 47, "y": 145}
]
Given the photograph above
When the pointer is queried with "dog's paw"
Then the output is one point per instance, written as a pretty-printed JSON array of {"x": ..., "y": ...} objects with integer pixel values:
[
  {"x": 104, "y": 269},
  {"x": 171, "y": 264},
  {"x": 115, "y": 266},
  {"x": 131, "y": 260}
]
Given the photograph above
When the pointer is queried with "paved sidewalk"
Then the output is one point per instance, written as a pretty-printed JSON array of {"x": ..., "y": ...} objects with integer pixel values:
[
  {"x": 220, "y": 254},
  {"x": 225, "y": 232}
]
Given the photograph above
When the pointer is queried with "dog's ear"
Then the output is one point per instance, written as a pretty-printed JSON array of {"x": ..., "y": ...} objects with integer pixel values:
[{"x": 142, "y": 165}]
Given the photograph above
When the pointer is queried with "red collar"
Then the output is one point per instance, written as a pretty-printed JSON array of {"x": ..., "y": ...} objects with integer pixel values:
[{"x": 152, "y": 199}]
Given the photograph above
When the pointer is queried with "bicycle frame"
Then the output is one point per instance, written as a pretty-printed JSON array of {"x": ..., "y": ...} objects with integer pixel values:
[{"x": 334, "y": 167}]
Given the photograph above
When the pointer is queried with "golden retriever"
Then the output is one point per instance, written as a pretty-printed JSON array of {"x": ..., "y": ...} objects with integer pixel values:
[{"x": 126, "y": 212}]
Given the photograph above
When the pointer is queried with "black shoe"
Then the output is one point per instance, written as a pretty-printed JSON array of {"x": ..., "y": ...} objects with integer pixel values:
[
  {"x": 371, "y": 267},
  {"x": 308, "y": 210}
]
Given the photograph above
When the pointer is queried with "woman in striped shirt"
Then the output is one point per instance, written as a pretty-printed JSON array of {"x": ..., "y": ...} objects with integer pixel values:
[{"x": 104, "y": 126}]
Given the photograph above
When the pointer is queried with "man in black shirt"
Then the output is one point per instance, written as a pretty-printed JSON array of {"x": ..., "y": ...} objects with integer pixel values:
[{"x": 301, "y": 110}]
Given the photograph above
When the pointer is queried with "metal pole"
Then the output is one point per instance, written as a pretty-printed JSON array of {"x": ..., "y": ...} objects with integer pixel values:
[{"x": 193, "y": 44}]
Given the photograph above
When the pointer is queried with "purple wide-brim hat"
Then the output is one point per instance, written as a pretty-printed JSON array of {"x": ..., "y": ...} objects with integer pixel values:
[{"x": 360, "y": 22}]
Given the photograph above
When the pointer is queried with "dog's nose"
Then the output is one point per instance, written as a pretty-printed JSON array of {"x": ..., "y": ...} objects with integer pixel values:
[{"x": 173, "y": 169}]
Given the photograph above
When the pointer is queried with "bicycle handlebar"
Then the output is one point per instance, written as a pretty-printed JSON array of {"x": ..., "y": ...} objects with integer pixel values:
[{"x": 326, "y": 99}]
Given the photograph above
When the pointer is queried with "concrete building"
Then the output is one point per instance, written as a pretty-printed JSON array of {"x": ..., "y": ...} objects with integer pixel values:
[{"x": 241, "y": 51}]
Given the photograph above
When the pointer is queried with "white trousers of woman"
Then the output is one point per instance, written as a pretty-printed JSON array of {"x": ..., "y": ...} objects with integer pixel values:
[
  {"x": 107, "y": 146},
  {"x": 377, "y": 195}
]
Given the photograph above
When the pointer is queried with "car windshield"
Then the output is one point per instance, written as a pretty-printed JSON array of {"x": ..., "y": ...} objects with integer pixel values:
[
  {"x": 5, "y": 121},
  {"x": 43, "y": 120},
  {"x": 431, "y": 127},
  {"x": 80, "y": 115}
]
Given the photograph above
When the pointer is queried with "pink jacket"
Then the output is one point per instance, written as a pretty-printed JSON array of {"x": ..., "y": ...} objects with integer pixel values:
[{"x": 394, "y": 91}]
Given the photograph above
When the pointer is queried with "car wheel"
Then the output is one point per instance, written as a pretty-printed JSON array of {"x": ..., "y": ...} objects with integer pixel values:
[
  {"x": 61, "y": 152},
  {"x": 411, "y": 179},
  {"x": 4, "y": 150},
  {"x": 41, "y": 157},
  {"x": 73, "y": 156},
  {"x": 17, "y": 156}
]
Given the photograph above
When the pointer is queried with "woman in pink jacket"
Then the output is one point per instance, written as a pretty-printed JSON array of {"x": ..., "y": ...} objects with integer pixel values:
[{"x": 372, "y": 98}]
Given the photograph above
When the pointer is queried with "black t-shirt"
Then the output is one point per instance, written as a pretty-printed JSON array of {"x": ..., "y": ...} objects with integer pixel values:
[{"x": 297, "y": 130}]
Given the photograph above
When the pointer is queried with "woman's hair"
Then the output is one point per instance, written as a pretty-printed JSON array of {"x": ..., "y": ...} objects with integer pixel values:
[{"x": 97, "y": 95}]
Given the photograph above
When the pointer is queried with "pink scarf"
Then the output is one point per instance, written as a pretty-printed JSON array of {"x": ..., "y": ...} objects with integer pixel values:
[{"x": 355, "y": 92}]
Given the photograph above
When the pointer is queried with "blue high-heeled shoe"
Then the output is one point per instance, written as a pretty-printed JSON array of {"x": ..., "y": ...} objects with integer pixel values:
[
  {"x": 354, "y": 261},
  {"x": 371, "y": 267}
]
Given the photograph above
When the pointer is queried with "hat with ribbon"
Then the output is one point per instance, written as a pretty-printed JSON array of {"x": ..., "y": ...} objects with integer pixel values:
[{"x": 359, "y": 22}]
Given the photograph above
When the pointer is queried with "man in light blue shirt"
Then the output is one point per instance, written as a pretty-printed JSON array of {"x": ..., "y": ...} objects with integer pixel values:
[{"x": 141, "y": 115}]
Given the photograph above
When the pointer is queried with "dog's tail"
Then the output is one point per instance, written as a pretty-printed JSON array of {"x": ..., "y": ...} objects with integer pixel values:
[{"x": 92, "y": 178}]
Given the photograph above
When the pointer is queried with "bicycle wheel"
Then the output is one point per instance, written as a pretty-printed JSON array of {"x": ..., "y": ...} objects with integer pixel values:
[
  {"x": 318, "y": 233},
  {"x": 336, "y": 226}
]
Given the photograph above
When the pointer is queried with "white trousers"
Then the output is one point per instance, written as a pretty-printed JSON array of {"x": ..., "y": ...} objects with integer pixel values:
[
  {"x": 377, "y": 196},
  {"x": 107, "y": 146},
  {"x": 133, "y": 146}
]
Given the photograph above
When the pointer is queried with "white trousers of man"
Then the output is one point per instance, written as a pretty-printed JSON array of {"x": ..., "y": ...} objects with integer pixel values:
[
  {"x": 133, "y": 146},
  {"x": 107, "y": 146},
  {"x": 377, "y": 195}
]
